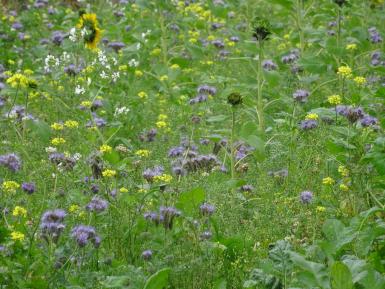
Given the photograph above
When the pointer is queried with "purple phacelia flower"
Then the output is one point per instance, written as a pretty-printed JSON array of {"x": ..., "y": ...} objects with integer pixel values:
[
  {"x": 368, "y": 120},
  {"x": 84, "y": 235},
  {"x": 29, "y": 188},
  {"x": 150, "y": 173},
  {"x": 301, "y": 95},
  {"x": 308, "y": 124},
  {"x": 52, "y": 225},
  {"x": 97, "y": 205},
  {"x": 269, "y": 65},
  {"x": 306, "y": 197},
  {"x": 147, "y": 255},
  {"x": 11, "y": 161},
  {"x": 116, "y": 46},
  {"x": 207, "y": 209}
]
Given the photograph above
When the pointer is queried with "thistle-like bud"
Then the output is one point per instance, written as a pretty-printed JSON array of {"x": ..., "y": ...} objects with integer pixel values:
[
  {"x": 234, "y": 99},
  {"x": 261, "y": 29},
  {"x": 340, "y": 2}
]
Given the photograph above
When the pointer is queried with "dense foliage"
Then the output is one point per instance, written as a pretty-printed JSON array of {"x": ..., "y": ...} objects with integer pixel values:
[{"x": 192, "y": 144}]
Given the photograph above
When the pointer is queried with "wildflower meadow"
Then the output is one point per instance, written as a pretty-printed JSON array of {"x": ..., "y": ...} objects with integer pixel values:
[{"x": 197, "y": 144}]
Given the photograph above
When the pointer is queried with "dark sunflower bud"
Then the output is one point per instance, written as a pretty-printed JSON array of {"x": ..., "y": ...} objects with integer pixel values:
[
  {"x": 234, "y": 99},
  {"x": 261, "y": 29},
  {"x": 340, "y": 2}
]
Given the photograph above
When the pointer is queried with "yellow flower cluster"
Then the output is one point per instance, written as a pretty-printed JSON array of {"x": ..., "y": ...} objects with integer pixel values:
[
  {"x": 311, "y": 116},
  {"x": 86, "y": 103},
  {"x": 343, "y": 171},
  {"x": 320, "y": 209},
  {"x": 18, "y": 80},
  {"x": 359, "y": 80},
  {"x": 345, "y": 71},
  {"x": 335, "y": 99},
  {"x": 142, "y": 94},
  {"x": 344, "y": 188},
  {"x": 351, "y": 46},
  {"x": 71, "y": 124},
  {"x": 123, "y": 190},
  {"x": 142, "y": 153},
  {"x": 109, "y": 173},
  {"x": 17, "y": 236},
  {"x": 74, "y": 208},
  {"x": 57, "y": 126},
  {"x": 105, "y": 149},
  {"x": 328, "y": 181},
  {"x": 10, "y": 186},
  {"x": 58, "y": 141},
  {"x": 163, "y": 178},
  {"x": 19, "y": 211}
]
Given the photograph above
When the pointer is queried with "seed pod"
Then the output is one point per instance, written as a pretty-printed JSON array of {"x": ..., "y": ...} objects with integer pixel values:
[{"x": 234, "y": 99}]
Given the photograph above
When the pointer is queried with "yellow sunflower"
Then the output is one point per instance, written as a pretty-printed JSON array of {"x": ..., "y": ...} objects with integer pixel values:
[{"x": 92, "y": 34}]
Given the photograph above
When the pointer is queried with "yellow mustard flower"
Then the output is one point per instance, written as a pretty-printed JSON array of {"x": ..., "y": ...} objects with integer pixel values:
[
  {"x": 351, "y": 46},
  {"x": 142, "y": 94},
  {"x": 10, "y": 186},
  {"x": 71, "y": 124},
  {"x": 58, "y": 141},
  {"x": 109, "y": 173},
  {"x": 105, "y": 149},
  {"x": 142, "y": 153},
  {"x": 335, "y": 99},
  {"x": 344, "y": 71},
  {"x": 311, "y": 116},
  {"x": 19, "y": 211},
  {"x": 360, "y": 80},
  {"x": 17, "y": 236},
  {"x": 328, "y": 181},
  {"x": 57, "y": 126}
]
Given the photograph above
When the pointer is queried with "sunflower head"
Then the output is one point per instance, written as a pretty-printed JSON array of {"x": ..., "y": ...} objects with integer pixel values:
[{"x": 89, "y": 25}]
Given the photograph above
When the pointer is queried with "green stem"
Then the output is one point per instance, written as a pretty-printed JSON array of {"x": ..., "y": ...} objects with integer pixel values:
[
  {"x": 261, "y": 120},
  {"x": 232, "y": 158}
]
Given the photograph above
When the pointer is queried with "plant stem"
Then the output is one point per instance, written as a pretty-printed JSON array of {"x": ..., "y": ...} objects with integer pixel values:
[
  {"x": 232, "y": 158},
  {"x": 261, "y": 120}
]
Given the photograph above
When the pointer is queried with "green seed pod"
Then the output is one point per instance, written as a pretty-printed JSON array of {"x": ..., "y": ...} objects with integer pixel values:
[{"x": 234, "y": 99}]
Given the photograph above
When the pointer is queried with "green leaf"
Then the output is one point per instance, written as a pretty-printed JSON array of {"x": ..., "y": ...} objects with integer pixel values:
[
  {"x": 158, "y": 280},
  {"x": 337, "y": 234},
  {"x": 188, "y": 202},
  {"x": 314, "y": 274},
  {"x": 217, "y": 118},
  {"x": 341, "y": 278},
  {"x": 258, "y": 144},
  {"x": 40, "y": 129}
]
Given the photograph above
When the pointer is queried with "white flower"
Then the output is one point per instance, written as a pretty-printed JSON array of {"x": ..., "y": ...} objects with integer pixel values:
[
  {"x": 115, "y": 76},
  {"x": 103, "y": 74},
  {"x": 121, "y": 110},
  {"x": 133, "y": 63},
  {"x": 79, "y": 90},
  {"x": 50, "y": 149},
  {"x": 72, "y": 35},
  {"x": 77, "y": 156},
  {"x": 50, "y": 61},
  {"x": 138, "y": 46}
]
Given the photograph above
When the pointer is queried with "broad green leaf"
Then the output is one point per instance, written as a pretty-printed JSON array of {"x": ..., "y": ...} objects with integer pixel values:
[
  {"x": 314, "y": 274},
  {"x": 188, "y": 202},
  {"x": 341, "y": 278},
  {"x": 158, "y": 280}
]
